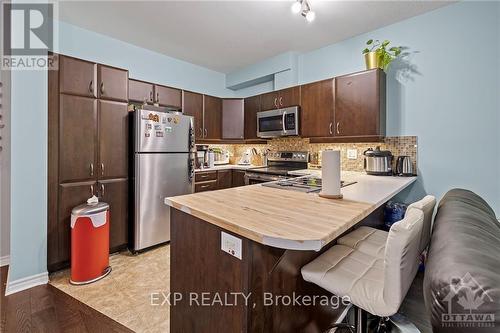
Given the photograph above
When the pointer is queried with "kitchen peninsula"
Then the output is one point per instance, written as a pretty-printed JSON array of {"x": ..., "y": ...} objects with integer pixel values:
[{"x": 276, "y": 232}]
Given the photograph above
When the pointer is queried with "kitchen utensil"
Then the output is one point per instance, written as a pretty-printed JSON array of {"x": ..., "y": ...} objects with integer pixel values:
[
  {"x": 404, "y": 166},
  {"x": 378, "y": 162}
]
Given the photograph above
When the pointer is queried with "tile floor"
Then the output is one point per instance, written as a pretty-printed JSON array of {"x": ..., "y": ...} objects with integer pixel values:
[{"x": 125, "y": 294}]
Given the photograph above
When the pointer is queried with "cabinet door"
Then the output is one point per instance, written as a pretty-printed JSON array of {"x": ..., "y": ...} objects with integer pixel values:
[
  {"x": 360, "y": 104},
  {"x": 252, "y": 106},
  {"x": 140, "y": 92},
  {"x": 238, "y": 178},
  {"x": 224, "y": 179},
  {"x": 113, "y": 139},
  {"x": 212, "y": 117},
  {"x": 193, "y": 106},
  {"x": 289, "y": 97},
  {"x": 77, "y": 138},
  {"x": 166, "y": 96},
  {"x": 233, "y": 119},
  {"x": 205, "y": 186},
  {"x": 70, "y": 196},
  {"x": 317, "y": 109},
  {"x": 115, "y": 193},
  {"x": 77, "y": 77},
  {"x": 113, "y": 83},
  {"x": 269, "y": 101}
]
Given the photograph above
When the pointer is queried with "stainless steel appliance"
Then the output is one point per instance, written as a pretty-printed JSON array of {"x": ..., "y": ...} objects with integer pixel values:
[
  {"x": 163, "y": 167},
  {"x": 378, "y": 162},
  {"x": 404, "y": 166},
  {"x": 306, "y": 184},
  {"x": 201, "y": 156},
  {"x": 278, "y": 166},
  {"x": 221, "y": 156},
  {"x": 279, "y": 122}
]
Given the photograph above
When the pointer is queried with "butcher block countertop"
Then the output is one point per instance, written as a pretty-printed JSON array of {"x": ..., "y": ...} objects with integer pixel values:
[{"x": 289, "y": 219}]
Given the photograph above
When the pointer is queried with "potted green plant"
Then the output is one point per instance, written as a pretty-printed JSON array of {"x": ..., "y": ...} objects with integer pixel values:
[{"x": 377, "y": 54}]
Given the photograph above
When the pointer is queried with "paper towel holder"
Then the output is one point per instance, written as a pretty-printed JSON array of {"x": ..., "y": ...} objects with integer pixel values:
[{"x": 331, "y": 196}]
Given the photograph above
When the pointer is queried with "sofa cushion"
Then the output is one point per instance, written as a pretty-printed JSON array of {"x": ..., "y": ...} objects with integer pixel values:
[{"x": 462, "y": 274}]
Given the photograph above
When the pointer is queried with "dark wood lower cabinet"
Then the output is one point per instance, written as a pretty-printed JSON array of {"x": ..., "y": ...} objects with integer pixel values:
[
  {"x": 59, "y": 244},
  {"x": 224, "y": 179},
  {"x": 198, "y": 265},
  {"x": 115, "y": 193},
  {"x": 238, "y": 178}
]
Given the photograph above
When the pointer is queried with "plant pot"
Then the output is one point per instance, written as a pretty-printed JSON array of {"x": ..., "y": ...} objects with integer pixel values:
[{"x": 372, "y": 60}]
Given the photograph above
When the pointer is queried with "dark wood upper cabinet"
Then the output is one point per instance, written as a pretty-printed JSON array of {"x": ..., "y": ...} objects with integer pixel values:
[
  {"x": 77, "y": 77},
  {"x": 269, "y": 101},
  {"x": 252, "y": 106},
  {"x": 280, "y": 99},
  {"x": 360, "y": 104},
  {"x": 233, "y": 119},
  {"x": 70, "y": 196},
  {"x": 77, "y": 138},
  {"x": 212, "y": 117},
  {"x": 140, "y": 91},
  {"x": 193, "y": 106},
  {"x": 316, "y": 112},
  {"x": 113, "y": 83},
  {"x": 166, "y": 96},
  {"x": 115, "y": 193},
  {"x": 289, "y": 97},
  {"x": 113, "y": 140}
]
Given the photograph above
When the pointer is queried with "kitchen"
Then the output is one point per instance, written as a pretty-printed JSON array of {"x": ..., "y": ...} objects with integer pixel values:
[{"x": 245, "y": 174}]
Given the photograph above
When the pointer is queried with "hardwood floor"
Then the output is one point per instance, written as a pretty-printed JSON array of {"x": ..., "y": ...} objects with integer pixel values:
[{"x": 47, "y": 309}]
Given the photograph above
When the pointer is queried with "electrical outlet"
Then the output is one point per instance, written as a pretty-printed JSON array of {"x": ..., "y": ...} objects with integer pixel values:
[
  {"x": 352, "y": 154},
  {"x": 231, "y": 244}
]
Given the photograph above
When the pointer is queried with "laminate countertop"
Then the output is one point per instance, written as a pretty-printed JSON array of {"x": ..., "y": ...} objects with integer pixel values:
[{"x": 289, "y": 219}]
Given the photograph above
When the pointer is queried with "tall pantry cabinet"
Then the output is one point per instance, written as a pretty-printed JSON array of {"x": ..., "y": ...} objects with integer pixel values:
[{"x": 88, "y": 150}]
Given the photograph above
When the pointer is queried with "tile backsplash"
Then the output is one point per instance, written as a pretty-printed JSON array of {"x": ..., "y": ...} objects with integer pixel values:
[{"x": 399, "y": 145}]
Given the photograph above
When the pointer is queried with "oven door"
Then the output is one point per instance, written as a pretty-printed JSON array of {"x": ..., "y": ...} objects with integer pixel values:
[
  {"x": 252, "y": 178},
  {"x": 276, "y": 123}
]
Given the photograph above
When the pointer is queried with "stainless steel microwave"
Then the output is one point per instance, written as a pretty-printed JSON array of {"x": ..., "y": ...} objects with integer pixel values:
[{"x": 279, "y": 122}]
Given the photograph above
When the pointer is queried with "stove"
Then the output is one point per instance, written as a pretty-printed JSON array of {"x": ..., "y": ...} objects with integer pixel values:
[
  {"x": 278, "y": 166},
  {"x": 306, "y": 184}
]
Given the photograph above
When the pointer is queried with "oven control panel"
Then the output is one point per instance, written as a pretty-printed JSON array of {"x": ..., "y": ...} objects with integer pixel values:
[{"x": 295, "y": 156}]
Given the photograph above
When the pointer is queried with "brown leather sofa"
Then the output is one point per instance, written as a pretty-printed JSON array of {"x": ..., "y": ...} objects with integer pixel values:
[{"x": 462, "y": 276}]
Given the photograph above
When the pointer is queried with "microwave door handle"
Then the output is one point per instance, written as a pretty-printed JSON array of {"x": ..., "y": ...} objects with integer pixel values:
[{"x": 283, "y": 122}]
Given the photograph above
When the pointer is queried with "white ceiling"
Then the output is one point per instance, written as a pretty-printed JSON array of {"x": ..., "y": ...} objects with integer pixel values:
[{"x": 228, "y": 35}]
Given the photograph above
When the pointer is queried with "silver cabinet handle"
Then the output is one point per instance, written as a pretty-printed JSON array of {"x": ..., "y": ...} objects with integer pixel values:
[
  {"x": 91, "y": 87},
  {"x": 151, "y": 96},
  {"x": 331, "y": 128},
  {"x": 338, "y": 131},
  {"x": 201, "y": 132},
  {"x": 102, "y": 169},
  {"x": 91, "y": 169},
  {"x": 102, "y": 189},
  {"x": 157, "y": 97},
  {"x": 102, "y": 88},
  {"x": 206, "y": 132},
  {"x": 281, "y": 101},
  {"x": 276, "y": 102},
  {"x": 204, "y": 186},
  {"x": 91, "y": 190}
]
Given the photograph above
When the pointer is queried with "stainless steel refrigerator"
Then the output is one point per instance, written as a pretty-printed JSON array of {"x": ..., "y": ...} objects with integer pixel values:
[{"x": 163, "y": 167}]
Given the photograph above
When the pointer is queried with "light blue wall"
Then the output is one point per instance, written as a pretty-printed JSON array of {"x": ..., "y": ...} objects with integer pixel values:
[
  {"x": 445, "y": 92},
  {"x": 29, "y": 130}
]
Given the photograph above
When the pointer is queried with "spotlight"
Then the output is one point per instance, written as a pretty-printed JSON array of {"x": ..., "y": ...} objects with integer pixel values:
[
  {"x": 296, "y": 7},
  {"x": 310, "y": 16}
]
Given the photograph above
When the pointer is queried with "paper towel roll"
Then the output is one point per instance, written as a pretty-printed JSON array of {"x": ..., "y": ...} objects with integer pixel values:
[{"x": 330, "y": 173}]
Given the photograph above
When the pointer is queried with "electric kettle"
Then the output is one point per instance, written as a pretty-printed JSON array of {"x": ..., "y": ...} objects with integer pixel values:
[{"x": 404, "y": 166}]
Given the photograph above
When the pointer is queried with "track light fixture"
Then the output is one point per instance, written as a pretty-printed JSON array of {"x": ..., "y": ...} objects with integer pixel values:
[{"x": 304, "y": 8}]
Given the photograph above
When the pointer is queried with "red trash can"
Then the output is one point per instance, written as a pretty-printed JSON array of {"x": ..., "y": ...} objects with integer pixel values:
[{"x": 89, "y": 242}]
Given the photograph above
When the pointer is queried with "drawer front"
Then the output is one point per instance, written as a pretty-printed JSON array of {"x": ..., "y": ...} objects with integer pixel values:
[
  {"x": 205, "y": 186},
  {"x": 205, "y": 176}
]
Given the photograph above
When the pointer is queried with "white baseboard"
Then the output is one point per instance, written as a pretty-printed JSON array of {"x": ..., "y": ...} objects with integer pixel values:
[
  {"x": 26, "y": 283},
  {"x": 4, "y": 261}
]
